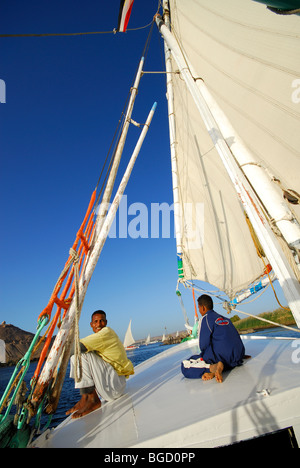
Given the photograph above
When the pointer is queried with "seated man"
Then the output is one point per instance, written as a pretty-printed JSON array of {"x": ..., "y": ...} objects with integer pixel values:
[
  {"x": 105, "y": 367},
  {"x": 220, "y": 345}
]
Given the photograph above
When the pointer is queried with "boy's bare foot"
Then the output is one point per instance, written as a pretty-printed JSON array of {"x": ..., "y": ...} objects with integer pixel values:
[
  {"x": 215, "y": 370},
  {"x": 89, "y": 402},
  {"x": 219, "y": 370},
  {"x": 208, "y": 376}
]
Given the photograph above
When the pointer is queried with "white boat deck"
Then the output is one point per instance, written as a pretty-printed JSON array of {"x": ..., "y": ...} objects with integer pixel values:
[{"x": 163, "y": 409}]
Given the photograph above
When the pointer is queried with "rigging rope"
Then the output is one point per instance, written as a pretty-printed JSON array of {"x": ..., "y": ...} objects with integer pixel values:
[
  {"x": 118, "y": 130},
  {"x": 262, "y": 256},
  {"x": 178, "y": 293},
  {"x": 265, "y": 320},
  {"x": 196, "y": 313},
  {"x": 77, "y": 352},
  {"x": 77, "y": 261},
  {"x": 114, "y": 31}
]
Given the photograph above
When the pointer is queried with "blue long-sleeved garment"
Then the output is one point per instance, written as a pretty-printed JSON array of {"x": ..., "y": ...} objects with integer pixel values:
[{"x": 220, "y": 341}]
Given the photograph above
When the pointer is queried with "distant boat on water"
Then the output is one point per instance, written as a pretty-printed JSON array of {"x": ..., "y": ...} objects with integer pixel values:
[
  {"x": 148, "y": 340},
  {"x": 129, "y": 341},
  {"x": 2, "y": 352}
]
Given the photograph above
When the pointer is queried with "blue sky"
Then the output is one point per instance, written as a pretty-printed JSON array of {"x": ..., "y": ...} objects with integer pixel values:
[{"x": 64, "y": 97}]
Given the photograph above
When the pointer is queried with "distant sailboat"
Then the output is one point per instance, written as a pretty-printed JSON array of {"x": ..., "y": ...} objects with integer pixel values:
[
  {"x": 148, "y": 340},
  {"x": 2, "y": 352},
  {"x": 129, "y": 342}
]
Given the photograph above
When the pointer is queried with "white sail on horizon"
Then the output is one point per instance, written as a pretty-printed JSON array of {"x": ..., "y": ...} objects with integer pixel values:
[
  {"x": 2, "y": 352},
  {"x": 128, "y": 340}
]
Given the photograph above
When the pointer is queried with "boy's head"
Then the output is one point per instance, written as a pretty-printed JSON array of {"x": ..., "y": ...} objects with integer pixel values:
[{"x": 205, "y": 303}]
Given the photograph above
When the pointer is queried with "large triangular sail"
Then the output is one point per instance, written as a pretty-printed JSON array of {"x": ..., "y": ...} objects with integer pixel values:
[
  {"x": 239, "y": 69},
  {"x": 252, "y": 80}
]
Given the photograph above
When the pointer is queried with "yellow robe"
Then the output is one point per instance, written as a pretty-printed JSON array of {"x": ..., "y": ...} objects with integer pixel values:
[{"x": 107, "y": 345}]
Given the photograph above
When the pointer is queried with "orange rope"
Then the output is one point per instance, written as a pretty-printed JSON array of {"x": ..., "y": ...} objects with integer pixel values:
[
  {"x": 82, "y": 242},
  {"x": 79, "y": 236},
  {"x": 196, "y": 313}
]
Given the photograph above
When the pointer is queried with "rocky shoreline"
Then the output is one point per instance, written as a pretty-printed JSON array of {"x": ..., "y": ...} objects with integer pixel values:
[{"x": 17, "y": 342}]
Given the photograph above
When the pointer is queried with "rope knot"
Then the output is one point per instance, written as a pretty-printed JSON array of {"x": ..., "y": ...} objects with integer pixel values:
[
  {"x": 228, "y": 307},
  {"x": 74, "y": 254}
]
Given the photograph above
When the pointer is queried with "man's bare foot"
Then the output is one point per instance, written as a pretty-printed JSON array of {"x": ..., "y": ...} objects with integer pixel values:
[
  {"x": 208, "y": 376},
  {"x": 89, "y": 402},
  {"x": 78, "y": 406}
]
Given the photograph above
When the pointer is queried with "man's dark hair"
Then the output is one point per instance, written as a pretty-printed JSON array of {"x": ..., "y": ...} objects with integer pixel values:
[
  {"x": 99, "y": 312},
  {"x": 206, "y": 301}
]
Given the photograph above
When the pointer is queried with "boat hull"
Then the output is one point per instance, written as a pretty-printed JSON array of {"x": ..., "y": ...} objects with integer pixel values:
[{"x": 162, "y": 409}]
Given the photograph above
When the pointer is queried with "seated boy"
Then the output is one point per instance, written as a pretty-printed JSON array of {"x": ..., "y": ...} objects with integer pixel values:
[{"x": 220, "y": 345}]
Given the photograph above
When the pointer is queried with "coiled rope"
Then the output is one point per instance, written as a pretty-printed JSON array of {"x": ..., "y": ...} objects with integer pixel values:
[{"x": 77, "y": 353}]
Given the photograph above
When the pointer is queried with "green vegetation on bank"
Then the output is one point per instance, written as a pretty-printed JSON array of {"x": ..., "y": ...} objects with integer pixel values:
[{"x": 280, "y": 316}]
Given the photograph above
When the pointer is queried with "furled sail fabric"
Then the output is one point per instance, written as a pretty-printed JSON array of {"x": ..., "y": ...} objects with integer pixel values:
[
  {"x": 124, "y": 14},
  {"x": 249, "y": 59}
]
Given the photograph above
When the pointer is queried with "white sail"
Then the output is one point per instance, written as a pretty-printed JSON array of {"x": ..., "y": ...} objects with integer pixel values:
[
  {"x": 128, "y": 340},
  {"x": 250, "y": 65},
  {"x": 147, "y": 340},
  {"x": 2, "y": 352}
]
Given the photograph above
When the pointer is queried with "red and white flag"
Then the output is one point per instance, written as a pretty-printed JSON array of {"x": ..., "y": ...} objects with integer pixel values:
[{"x": 124, "y": 14}]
